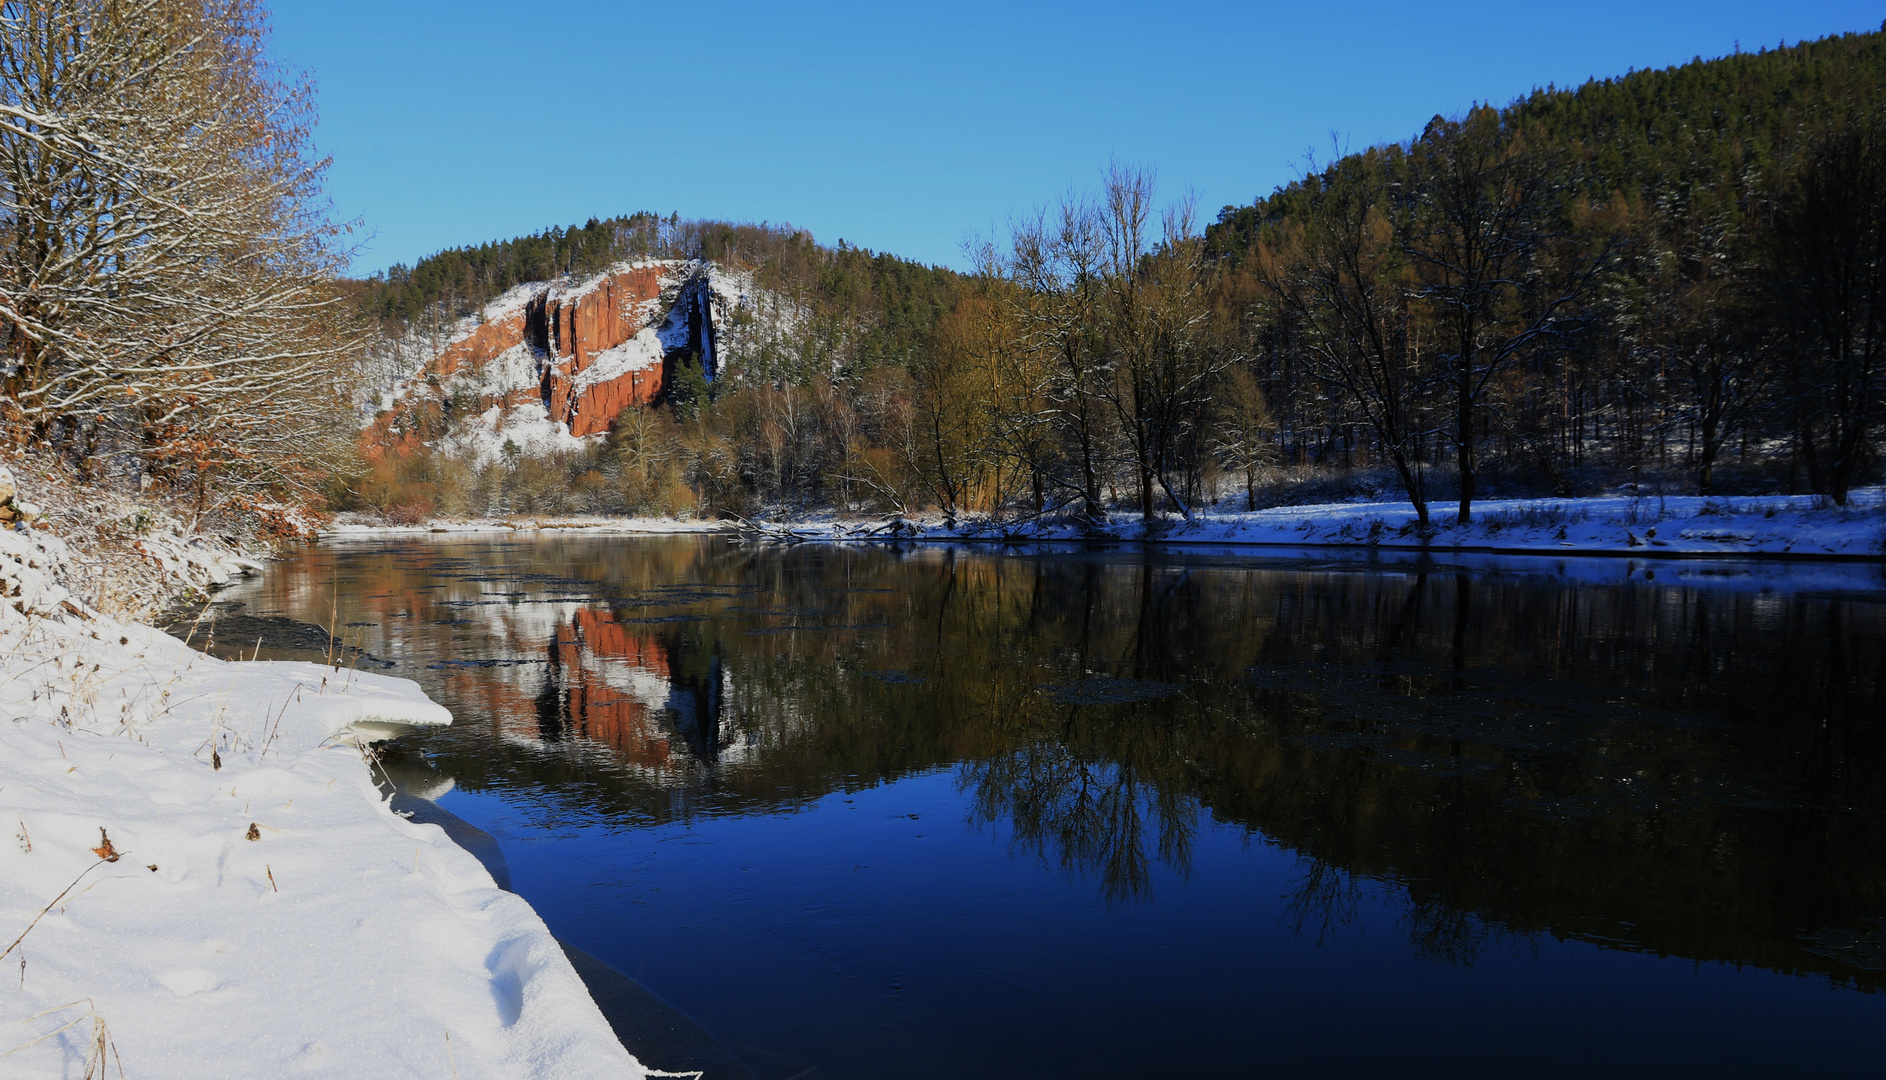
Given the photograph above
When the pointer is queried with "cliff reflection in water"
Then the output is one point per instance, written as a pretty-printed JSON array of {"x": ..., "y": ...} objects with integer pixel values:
[
  {"x": 646, "y": 698},
  {"x": 1659, "y": 765}
]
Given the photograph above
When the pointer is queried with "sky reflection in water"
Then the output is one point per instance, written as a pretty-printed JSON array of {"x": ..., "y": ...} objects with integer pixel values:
[{"x": 943, "y": 812}]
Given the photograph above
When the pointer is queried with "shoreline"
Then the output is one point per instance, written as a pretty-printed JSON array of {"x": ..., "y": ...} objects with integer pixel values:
[
  {"x": 1769, "y": 528},
  {"x": 542, "y": 1006},
  {"x": 1104, "y": 542},
  {"x": 647, "y": 1026},
  {"x": 205, "y": 876},
  {"x": 1416, "y": 549}
]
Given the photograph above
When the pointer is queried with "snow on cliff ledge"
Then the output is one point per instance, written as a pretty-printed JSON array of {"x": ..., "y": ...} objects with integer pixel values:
[{"x": 203, "y": 874}]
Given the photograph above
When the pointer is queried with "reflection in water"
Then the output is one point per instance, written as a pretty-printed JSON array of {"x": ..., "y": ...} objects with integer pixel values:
[
  {"x": 614, "y": 683},
  {"x": 1086, "y": 817},
  {"x": 1683, "y": 764},
  {"x": 1325, "y": 901}
]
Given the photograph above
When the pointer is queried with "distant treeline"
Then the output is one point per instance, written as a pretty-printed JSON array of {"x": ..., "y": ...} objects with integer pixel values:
[{"x": 1674, "y": 279}]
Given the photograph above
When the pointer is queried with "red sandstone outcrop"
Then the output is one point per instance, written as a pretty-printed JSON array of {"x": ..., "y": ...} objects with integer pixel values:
[
  {"x": 598, "y": 405},
  {"x": 566, "y": 331},
  {"x": 601, "y": 317},
  {"x": 571, "y": 330},
  {"x": 478, "y": 348}
]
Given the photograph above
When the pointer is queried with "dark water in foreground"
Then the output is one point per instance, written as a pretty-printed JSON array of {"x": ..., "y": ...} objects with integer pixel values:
[{"x": 947, "y": 813}]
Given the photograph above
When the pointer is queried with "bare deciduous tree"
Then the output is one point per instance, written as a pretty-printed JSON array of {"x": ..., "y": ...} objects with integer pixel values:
[
  {"x": 166, "y": 275},
  {"x": 1165, "y": 355},
  {"x": 1337, "y": 273},
  {"x": 1482, "y": 243},
  {"x": 1058, "y": 269}
]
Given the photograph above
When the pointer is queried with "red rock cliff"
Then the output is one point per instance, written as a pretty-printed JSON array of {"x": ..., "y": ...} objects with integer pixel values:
[
  {"x": 571, "y": 330},
  {"x": 472, "y": 352},
  {"x": 567, "y": 330}
]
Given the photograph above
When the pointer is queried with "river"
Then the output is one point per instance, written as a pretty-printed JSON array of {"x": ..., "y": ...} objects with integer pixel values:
[{"x": 947, "y": 811}]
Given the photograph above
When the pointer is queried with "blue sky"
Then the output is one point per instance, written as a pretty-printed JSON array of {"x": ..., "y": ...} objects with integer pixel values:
[{"x": 908, "y": 127}]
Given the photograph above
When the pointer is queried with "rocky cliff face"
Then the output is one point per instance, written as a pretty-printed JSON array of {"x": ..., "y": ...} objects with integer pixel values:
[
  {"x": 546, "y": 366},
  {"x": 573, "y": 331}
]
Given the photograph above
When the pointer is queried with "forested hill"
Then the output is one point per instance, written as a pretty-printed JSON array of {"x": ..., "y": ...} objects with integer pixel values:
[
  {"x": 888, "y": 304},
  {"x": 1627, "y": 280},
  {"x": 1744, "y": 112},
  {"x": 1721, "y": 128}
]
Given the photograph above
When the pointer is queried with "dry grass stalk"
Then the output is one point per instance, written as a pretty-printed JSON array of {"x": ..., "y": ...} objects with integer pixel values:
[
  {"x": 100, "y": 1052},
  {"x": 53, "y": 904},
  {"x": 266, "y": 743}
]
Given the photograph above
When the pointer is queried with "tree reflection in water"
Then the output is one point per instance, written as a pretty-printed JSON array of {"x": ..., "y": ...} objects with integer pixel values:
[
  {"x": 1089, "y": 818},
  {"x": 1646, "y": 762},
  {"x": 1327, "y": 899}
]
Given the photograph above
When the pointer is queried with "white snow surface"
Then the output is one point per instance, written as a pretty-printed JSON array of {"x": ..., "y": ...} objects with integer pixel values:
[
  {"x": 527, "y": 429},
  {"x": 639, "y": 353},
  {"x": 343, "y": 941},
  {"x": 344, "y": 529},
  {"x": 1643, "y": 526}
]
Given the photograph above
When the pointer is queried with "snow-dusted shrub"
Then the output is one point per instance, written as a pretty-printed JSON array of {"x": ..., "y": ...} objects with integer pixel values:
[
  {"x": 1646, "y": 510},
  {"x": 130, "y": 556},
  {"x": 414, "y": 511},
  {"x": 1307, "y": 486},
  {"x": 1536, "y": 516}
]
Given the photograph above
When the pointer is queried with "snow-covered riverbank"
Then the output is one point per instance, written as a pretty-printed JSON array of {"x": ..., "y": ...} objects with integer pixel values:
[
  {"x": 200, "y": 877},
  {"x": 357, "y": 526},
  {"x": 1654, "y": 526},
  {"x": 1795, "y": 526}
]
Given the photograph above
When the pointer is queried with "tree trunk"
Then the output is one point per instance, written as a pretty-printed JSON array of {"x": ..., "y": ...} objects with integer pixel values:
[
  {"x": 1185, "y": 511},
  {"x": 1708, "y": 428},
  {"x": 1463, "y": 435},
  {"x": 1706, "y": 468},
  {"x": 1411, "y": 484},
  {"x": 1091, "y": 505}
]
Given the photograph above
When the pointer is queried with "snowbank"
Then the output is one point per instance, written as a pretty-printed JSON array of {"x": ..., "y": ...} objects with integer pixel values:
[
  {"x": 206, "y": 882},
  {"x": 1643, "y": 527},
  {"x": 129, "y": 556},
  {"x": 344, "y": 528}
]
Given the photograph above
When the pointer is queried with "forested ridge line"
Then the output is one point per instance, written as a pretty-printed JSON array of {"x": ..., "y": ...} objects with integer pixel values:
[
  {"x": 1698, "y": 121},
  {"x": 892, "y": 302},
  {"x": 1669, "y": 281}
]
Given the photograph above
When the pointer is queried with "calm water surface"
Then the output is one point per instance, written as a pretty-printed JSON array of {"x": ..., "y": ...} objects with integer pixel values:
[{"x": 954, "y": 813}]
